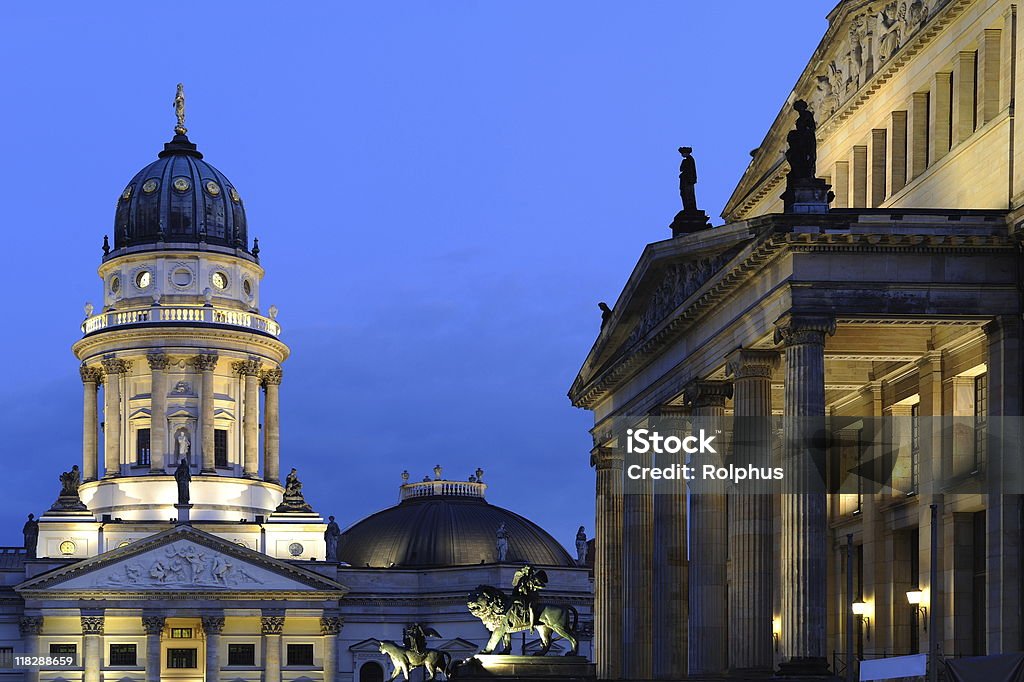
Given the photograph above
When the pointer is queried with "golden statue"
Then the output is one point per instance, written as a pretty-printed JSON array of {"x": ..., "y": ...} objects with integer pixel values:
[{"x": 179, "y": 110}]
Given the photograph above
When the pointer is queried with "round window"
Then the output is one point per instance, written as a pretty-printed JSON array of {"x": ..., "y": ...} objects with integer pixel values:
[
  {"x": 295, "y": 549},
  {"x": 220, "y": 280},
  {"x": 67, "y": 547},
  {"x": 143, "y": 279},
  {"x": 181, "y": 277},
  {"x": 150, "y": 185},
  {"x": 115, "y": 284},
  {"x": 247, "y": 288}
]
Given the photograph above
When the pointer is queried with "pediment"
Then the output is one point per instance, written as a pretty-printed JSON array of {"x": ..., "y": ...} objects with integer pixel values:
[
  {"x": 182, "y": 559},
  {"x": 140, "y": 413},
  {"x": 181, "y": 412},
  {"x": 459, "y": 645},
  {"x": 367, "y": 646}
]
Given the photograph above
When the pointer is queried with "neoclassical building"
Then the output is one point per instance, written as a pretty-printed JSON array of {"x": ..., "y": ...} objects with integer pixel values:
[
  {"x": 895, "y": 312},
  {"x": 128, "y": 580}
]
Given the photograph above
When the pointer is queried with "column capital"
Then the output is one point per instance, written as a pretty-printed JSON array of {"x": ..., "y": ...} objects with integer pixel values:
[
  {"x": 204, "y": 362},
  {"x": 112, "y": 365},
  {"x": 92, "y": 625},
  {"x": 272, "y": 625},
  {"x": 213, "y": 625},
  {"x": 153, "y": 625},
  {"x": 748, "y": 363},
  {"x": 794, "y": 330},
  {"x": 272, "y": 376},
  {"x": 331, "y": 625},
  {"x": 158, "y": 361},
  {"x": 30, "y": 625},
  {"x": 604, "y": 458},
  {"x": 705, "y": 393},
  {"x": 91, "y": 374},
  {"x": 250, "y": 367}
]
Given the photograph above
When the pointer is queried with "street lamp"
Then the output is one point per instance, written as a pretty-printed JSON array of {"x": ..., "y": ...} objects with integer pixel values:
[
  {"x": 915, "y": 597},
  {"x": 776, "y": 632},
  {"x": 862, "y": 610}
]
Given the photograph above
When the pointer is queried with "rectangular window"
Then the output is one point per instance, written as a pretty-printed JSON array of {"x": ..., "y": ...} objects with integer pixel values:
[
  {"x": 220, "y": 447},
  {"x": 300, "y": 654},
  {"x": 64, "y": 650},
  {"x": 181, "y": 658},
  {"x": 181, "y": 633},
  {"x": 6, "y": 657},
  {"x": 123, "y": 654},
  {"x": 241, "y": 654},
  {"x": 142, "y": 447},
  {"x": 915, "y": 447},
  {"x": 980, "y": 420}
]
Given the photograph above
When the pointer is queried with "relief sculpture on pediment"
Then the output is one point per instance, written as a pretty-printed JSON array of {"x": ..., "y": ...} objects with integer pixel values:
[{"x": 180, "y": 565}]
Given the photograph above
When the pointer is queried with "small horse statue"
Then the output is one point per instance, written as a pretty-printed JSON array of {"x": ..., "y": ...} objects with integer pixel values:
[{"x": 405, "y": 659}]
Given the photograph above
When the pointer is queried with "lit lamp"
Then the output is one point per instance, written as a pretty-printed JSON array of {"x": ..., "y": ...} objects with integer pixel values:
[
  {"x": 861, "y": 609},
  {"x": 776, "y": 632},
  {"x": 915, "y": 597}
]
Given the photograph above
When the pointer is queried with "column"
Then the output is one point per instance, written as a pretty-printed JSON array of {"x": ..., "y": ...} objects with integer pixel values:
[
  {"x": 637, "y": 574},
  {"x": 671, "y": 599},
  {"x": 206, "y": 363},
  {"x": 92, "y": 647},
  {"x": 608, "y": 562},
  {"x": 212, "y": 627},
  {"x": 272, "y": 436},
  {"x": 158, "y": 364},
  {"x": 31, "y": 627},
  {"x": 933, "y": 443},
  {"x": 249, "y": 370},
  {"x": 898, "y": 152},
  {"x": 804, "y": 524},
  {"x": 91, "y": 379},
  {"x": 330, "y": 628},
  {"x": 841, "y": 184},
  {"x": 708, "y": 632},
  {"x": 918, "y": 146},
  {"x": 751, "y": 648},
  {"x": 940, "y": 121},
  {"x": 859, "y": 177},
  {"x": 113, "y": 368},
  {"x": 272, "y": 627},
  {"x": 964, "y": 105},
  {"x": 989, "y": 81},
  {"x": 153, "y": 626},
  {"x": 877, "y": 169}
]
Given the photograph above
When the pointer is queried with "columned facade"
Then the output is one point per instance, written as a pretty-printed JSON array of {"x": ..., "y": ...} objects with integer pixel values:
[
  {"x": 608, "y": 642},
  {"x": 249, "y": 371},
  {"x": 638, "y": 573},
  {"x": 153, "y": 626},
  {"x": 92, "y": 377},
  {"x": 92, "y": 647},
  {"x": 212, "y": 628},
  {"x": 158, "y": 364},
  {"x": 206, "y": 363},
  {"x": 272, "y": 437},
  {"x": 272, "y": 627},
  {"x": 113, "y": 369},
  {"x": 330, "y": 628}
]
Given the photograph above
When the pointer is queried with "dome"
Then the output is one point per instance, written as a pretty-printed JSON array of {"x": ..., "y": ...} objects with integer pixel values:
[
  {"x": 446, "y": 523},
  {"x": 179, "y": 198}
]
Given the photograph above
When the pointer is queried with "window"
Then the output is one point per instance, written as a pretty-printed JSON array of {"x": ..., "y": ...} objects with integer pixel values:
[
  {"x": 181, "y": 658},
  {"x": 142, "y": 446},
  {"x": 915, "y": 447},
  {"x": 123, "y": 654},
  {"x": 300, "y": 654},
  {"x": 7, "y": 658},
  {"x": 241, "y": 654},
  {"x": 371, "y": 672},
  {"x": 220, "y": 447},
  {"x": 64, "y": 650},
  {"x": 980, "y": 420},
  {"x": 181, "y": 633}
]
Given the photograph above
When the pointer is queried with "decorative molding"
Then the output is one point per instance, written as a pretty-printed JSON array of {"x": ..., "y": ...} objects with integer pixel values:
[
  {"x": 796, "y": 330},
  {"x": 250, "y": 367},
  {"x": 747, "y": 363},
  {"x": 605, "y": 458},
  {"x": 272, "y": 376},
  {"x": 91, "y": 374},
  {"x": 205, "y": 362},
  {"x": 153, "y": 625},
  {"x": 92, "y": 625},
  {"x": 30, "y": 625},
  {"x": 158, "y": 362},
  {"x": 704, "y": 393},
  {"x": 112, "y": 365},
  {"x": 213, "y": 625},
  {"x": 271, "y": 625},
  {"x": 331, "y": 625}
]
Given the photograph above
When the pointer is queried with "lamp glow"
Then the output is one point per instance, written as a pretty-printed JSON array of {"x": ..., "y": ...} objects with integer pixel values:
[
  {"x": 860, "y": 608},
  {"x": 915, "y": 596}
]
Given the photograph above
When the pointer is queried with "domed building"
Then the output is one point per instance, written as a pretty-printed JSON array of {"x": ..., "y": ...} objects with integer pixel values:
[{"x": 176, "y": 549}]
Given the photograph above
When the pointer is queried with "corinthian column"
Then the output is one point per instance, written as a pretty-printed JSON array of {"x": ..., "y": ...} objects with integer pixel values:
[
  {"x": 272, "y": 627},
  {"x": 608, "y": 563},
  {"x": 751, "y": 650},
  {"x": 91, "y": 378},
  {"x": 206, "y": 363},
  {"x": 804, "y": 548},
  {"x": 212, "y": 627},
  {"x": 708, "y": 541},
  {"x": 92, "y": 647},
  {"x": 113, "y": 368},
  {"x": 272, "y": 436},
  {"x": 638, "y": 574},
  {"x": 153, "y": 626},
  {"x": 330, "y": 628},
  {"x": 158, "y": 364},
  {"x": 249, "y": 370},
  {"x": 31, "y": 627}
]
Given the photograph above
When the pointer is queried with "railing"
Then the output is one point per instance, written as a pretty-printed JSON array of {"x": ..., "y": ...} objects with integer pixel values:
[
  {"x": 178, "y": 314},
  {"x": 437, "y": 487}
]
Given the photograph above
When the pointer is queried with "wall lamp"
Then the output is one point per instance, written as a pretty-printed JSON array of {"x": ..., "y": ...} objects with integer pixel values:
[
  {"x": 776, "y": 632},
  {"x": 862, "y": 610},
  {"x": 915, "y": 597}
]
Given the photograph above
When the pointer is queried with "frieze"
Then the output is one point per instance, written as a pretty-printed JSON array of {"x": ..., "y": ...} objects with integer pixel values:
[{"x": 181, "y": 564}]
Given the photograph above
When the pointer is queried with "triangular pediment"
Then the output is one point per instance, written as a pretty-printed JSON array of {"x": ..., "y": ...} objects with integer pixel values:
[
  {"x": 367, "y": 646},
  {"x": 182, "y": 559}
]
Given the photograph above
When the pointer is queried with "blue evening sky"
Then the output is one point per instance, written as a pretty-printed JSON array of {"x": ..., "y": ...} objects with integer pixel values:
[{"x": 443, "y": 191}]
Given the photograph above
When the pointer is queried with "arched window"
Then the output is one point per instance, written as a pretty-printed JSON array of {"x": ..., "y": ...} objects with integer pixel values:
[{"x": 371, "y": 672}]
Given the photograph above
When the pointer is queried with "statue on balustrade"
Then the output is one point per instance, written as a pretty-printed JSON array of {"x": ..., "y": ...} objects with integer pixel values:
[
  {"x": 332, "y": 536},
  {"x": 183, "y": 476}
]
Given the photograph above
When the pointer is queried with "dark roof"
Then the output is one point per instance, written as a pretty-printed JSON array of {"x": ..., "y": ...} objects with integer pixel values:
[
  {"x": 446, "y": 530},
  {"x": 12, "y": 558},
  {"x": 179, "y": 198}
]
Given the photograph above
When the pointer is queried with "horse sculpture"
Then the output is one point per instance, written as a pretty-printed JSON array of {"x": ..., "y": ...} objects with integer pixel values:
[{"x": 405, "y": 659}]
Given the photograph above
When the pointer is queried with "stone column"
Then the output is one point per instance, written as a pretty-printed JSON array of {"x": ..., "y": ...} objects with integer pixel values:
[
  {"x": 272, "y": 436},
  {"x": 92, "y": 647},
  {"x": 91, "y": 379},
  {"x": 113, "y": 368},
  {"x": 154, "y": 627},
  {"x": 158, "y": 364},
  {"x": 751, "y": 649},
  {"x": 272, "y": 626},
  {"x": 31, "y": 627},
  {"x": 804, "y": 524},
  {"x": 206, "y": 363},
  {"x": 638, "y": 573},
  {"x": 212, "y": 626},
  {"x": 608, "y": 563},
  {"x": 249, "y": 370},
  {"x": 671, "y": 597},
  {"x": 330, "y": 628},
  {"x": 708, "y": 541}
]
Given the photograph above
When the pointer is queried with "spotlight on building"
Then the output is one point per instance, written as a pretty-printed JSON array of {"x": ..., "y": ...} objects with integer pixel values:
[
  {"x": 915, "y": 597},
  {"x": 862, "y": 610},
  {"x": 776, "y": 632}
]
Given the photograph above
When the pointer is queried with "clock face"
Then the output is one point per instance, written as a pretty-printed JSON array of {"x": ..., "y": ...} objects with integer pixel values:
[
  {"x": 220, "y": 280},
  {"x": 143, "y": 279},
  {"x": 295, "y": 549},
  {"x": 67, "y": 547}
]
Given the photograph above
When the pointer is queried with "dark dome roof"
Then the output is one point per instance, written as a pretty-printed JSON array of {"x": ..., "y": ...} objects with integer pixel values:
[
  {"x": 446, "y": 530},
  {"x": 179, "y": 198}
]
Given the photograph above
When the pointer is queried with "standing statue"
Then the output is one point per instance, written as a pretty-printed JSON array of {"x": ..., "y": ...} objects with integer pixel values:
[
  {"x": 184, "y": 445},
  {"x": 581, "y": 546},
  {"x": 31, "y": 532},
  {"x": 183, "y": 477},
  {"x": 332, "y": 536},
  {"x": 688, "y": 180},
  {"x": 802, "y": 153},
  {"x": 437, "y": 472},
  {"x": 606, "y": 313},
  {"x": 179, "y": 110},
  {"x": 501, "y": 543}
]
